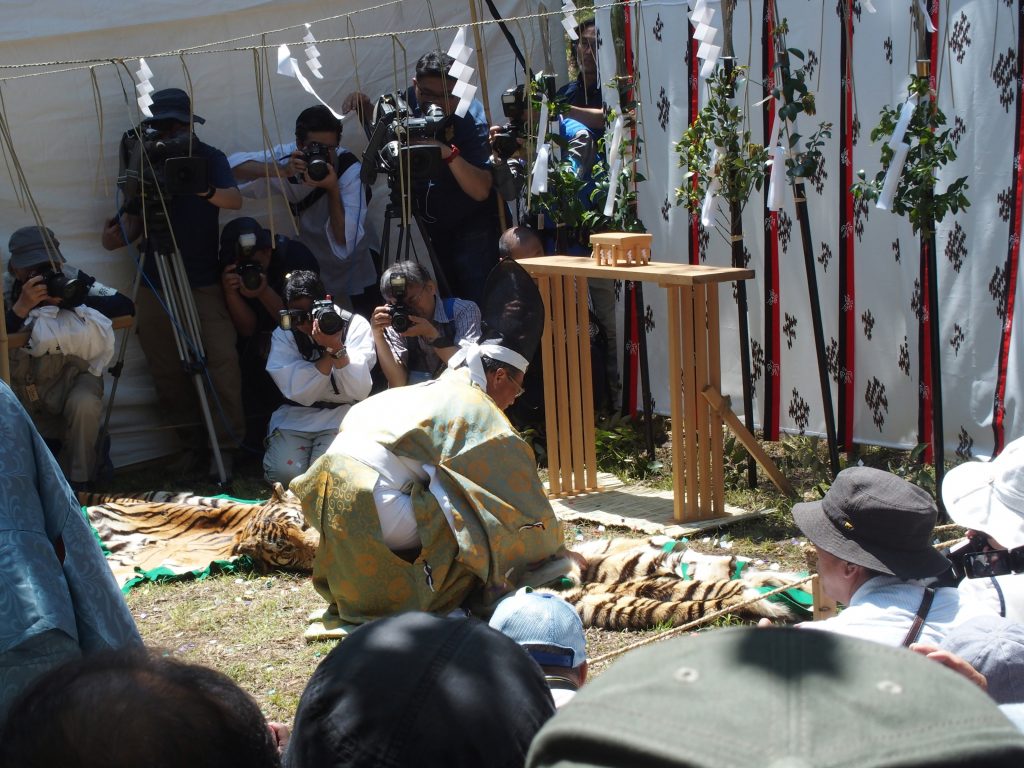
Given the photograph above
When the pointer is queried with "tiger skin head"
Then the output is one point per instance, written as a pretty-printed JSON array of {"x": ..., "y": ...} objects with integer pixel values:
[{"x": 277, "y": 537}]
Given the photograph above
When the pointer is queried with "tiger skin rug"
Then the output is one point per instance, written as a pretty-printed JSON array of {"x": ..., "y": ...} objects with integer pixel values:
[{"x": 618, "y": 583}]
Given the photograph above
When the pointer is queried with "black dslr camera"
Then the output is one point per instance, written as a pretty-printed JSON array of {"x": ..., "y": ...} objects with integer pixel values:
[
  {"x": 513, "y": 103},
  {"x": 70, "y": 290},
  {"x": 399, "y": 311},
  {"x": 322, "y": 312},
  {"x": 391, "y": 149},
  {"x": 318, "y": 161}
]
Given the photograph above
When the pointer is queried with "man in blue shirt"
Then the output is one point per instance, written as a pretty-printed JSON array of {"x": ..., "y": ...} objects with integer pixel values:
[
  {"x": 459, "y": 209},
  {"x": 584, "y": 93},
  {"x": 193, "y": 221}
]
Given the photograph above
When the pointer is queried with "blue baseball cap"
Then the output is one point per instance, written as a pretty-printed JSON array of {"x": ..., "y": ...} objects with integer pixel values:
[{"x": 545, "y": 625}]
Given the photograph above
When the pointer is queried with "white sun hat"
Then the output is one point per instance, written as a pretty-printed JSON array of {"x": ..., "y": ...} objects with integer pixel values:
[{"x": 989, "y": 496}]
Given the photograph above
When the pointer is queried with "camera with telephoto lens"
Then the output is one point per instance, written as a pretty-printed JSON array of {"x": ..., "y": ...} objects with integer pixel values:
[
  {"x": 399, "y": 311},
  {"x": 506, "y": 141},
  {"x": 318, "y": 160},
  {"x": 246, "y": 265},
  {"x": 392, "y": 148}
]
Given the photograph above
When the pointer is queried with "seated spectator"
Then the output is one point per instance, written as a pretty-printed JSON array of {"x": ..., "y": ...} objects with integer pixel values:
[
  {"x": 123, "y": 710},
  {"x": 987, "y": 498},
  {"x": 59, "y": 596},
  {"x": 520, "y": 243},
  {"x": 255, "y": 266},
  {"x": 778, "y": 697},
  {"x": 321, "y": 371},
  {"x": 433, "y": 329},
  {"x": 872, "y": 533},
  {"x": 420, "y": 690},
  {"x": 551, "y": 632},
  {"x": 58, "y": 375}
]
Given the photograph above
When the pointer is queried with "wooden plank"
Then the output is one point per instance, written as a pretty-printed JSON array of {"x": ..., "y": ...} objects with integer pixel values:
[
  {"x": 575, "y": 381},
  {"x": 561, "y": 386},
  {"x": 700, "y": 345},
  {"x": 16, "y": 340},
  {"x": 715, "y": 379},
  {"x": 547, "y": 341},
  {"x": 722, "y": 407},
  {"x": 675, "y": 396},
  {"x": 663, "y": 272},
  {"x": 691, "y": 510},
  {"x": 824, "y": 606},
  {"x": 589, "y": 435}
]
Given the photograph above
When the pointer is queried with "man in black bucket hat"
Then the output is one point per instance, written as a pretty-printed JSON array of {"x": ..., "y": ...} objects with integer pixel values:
[{"x": 872, "y": 533}]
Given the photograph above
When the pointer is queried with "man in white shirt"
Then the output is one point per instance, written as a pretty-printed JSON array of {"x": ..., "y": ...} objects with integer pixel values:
[
  {"x": 321, "y": 371},
  {"x": 321, "y": 182},
  {"x": 987, "y": 498},
  {"x": 872, "y": 533}
]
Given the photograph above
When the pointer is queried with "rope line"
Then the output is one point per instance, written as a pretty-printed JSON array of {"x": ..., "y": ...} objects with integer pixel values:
[{"x": 74, "y": 65}]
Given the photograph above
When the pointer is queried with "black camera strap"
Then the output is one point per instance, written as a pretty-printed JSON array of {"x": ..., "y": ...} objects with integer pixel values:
[
  {"x": 922, "y": 613},
  {"x": 345, "y": 161}
]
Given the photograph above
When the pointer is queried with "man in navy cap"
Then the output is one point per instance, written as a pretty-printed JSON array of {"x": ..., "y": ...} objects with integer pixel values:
[{"x": 192, "y": 224}]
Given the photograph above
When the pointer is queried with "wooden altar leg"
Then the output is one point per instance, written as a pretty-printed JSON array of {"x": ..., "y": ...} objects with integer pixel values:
[
  {"x": 691, "y": 510},
  {"x": 675, "y": 395},
  {"x": 700, "y": 343},
  {"x": 589, "y": 436},
  {"x": 547, "y": 344},
  {"x": 577, "y": 378},
  {"x": 561, "y": 385},
  {"x": 715, "y": 378}
]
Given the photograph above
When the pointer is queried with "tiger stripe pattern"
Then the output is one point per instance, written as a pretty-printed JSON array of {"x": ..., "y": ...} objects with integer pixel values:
[{"x": 623, "y": 584}]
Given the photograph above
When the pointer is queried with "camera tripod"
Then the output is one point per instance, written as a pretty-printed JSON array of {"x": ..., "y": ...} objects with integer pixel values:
[
  {"x": 398, "y": 210},
  {"x": 180, "y": 307}
]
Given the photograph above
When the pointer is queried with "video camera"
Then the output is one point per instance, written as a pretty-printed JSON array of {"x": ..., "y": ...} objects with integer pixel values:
[
  {"x": 973, "y": 560},
  {"x": 391, "y": 147},
  {"x": 399, "y": 311},
  {"x": 513, "y": 104},
  {"x": 153, "y": 165},
  {"x": 322, "y": 312}
]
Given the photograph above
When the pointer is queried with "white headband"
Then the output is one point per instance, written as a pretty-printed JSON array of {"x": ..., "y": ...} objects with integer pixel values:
[{"x": 470, "y": 354}]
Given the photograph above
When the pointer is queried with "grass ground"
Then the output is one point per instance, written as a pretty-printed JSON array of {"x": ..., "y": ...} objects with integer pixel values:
[{"x": 250, "y": 626}]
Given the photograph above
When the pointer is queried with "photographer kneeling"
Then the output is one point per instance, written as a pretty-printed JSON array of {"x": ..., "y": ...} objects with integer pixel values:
[
  {"x": 320, "y": 359},
  {"x": 58, "y": 374},
  {"x": 255, "y": 267},
  {"x": 416, "y": 334}
]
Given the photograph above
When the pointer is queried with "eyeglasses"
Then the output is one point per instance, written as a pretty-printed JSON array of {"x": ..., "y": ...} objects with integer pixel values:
[{"x": 521, "y": 389}]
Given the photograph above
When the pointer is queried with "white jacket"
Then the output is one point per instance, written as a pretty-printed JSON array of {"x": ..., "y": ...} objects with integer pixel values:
[{"x": 82, "y": 332}]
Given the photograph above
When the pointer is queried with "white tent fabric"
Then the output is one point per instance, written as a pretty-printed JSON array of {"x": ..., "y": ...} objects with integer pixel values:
[{"x": 70, "y": 159}]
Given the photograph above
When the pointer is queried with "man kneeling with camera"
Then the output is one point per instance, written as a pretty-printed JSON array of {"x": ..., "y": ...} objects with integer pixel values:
[
  {"x": 320, "y": 359},
  {"x": 416, "y": 334},
  {"x": 57, "y": 375}
]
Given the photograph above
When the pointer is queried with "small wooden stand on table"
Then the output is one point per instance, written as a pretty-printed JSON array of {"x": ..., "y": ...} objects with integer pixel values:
[{"x": 694, "y": 364}]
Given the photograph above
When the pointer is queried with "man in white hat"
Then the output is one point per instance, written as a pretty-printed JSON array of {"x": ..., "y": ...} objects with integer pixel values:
[{"x": 987, "y": 498}]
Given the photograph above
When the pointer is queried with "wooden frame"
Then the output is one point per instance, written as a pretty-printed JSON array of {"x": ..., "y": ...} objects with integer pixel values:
[{"x": 694, "y": 360}]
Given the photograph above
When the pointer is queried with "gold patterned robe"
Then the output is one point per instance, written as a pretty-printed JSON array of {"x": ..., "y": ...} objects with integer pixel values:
[{"x": 506, "y": 532}]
